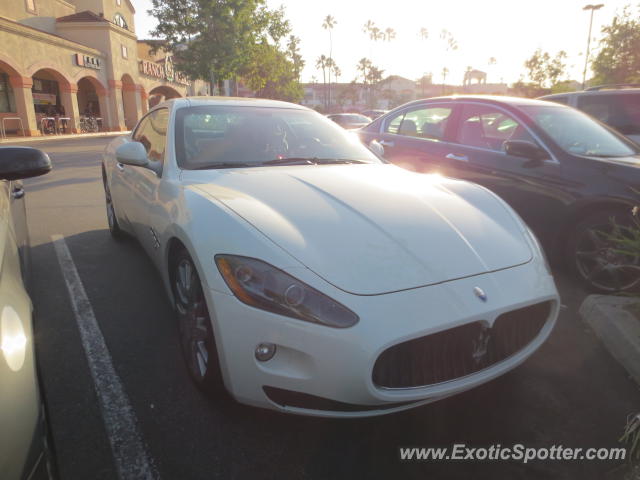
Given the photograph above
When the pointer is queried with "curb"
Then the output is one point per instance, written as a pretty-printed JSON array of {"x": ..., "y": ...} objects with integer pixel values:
[
  {"x": 617, "y": 328},
  {"x": 47, "y": 138}
]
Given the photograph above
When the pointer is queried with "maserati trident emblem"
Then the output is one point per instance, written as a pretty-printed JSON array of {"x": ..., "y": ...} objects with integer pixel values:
[
  {"x": 480, "y": 294},
  {"x": 480, "y": 344}
]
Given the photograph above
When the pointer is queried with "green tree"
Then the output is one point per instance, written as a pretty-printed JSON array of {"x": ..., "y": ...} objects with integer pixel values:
[
  {"x": 618, "y": 59},
  {"x": 272, "y": 75},
  {"x": 328, "y": 23},
  {"x": 545, "y": 70},
  {"x": 217, "y": 37}
]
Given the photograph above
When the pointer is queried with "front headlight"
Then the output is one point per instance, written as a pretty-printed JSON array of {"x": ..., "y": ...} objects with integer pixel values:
[{"x": 263, "y": 286}]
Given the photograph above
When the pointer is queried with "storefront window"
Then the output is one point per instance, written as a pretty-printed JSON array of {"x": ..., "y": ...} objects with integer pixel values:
[
  {"x": 7, "y": 101},
  {"x": 46, "y": 97}
]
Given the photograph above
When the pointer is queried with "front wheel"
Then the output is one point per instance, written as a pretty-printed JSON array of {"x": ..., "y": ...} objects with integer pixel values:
[
  {"x": 596, "y": 258},
  {"x": 194, "y": 325},
  {"x": 114, "y": 227}
]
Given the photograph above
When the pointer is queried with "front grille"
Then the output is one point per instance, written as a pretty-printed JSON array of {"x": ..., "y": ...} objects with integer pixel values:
[{"x": 459, "y": 351}]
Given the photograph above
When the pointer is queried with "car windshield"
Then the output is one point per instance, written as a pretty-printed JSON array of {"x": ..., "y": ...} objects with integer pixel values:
[
  {"x": 577, "y": 133},
  {"x": 228, "y": 137}
]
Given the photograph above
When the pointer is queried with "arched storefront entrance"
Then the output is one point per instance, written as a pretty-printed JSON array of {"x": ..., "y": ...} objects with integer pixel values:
[
  {"x": 162, "y": 93},
  {"x": 49, "y": 103},
  {"x": 7, "y": 97},
  {"x": 92, "y": 104}
]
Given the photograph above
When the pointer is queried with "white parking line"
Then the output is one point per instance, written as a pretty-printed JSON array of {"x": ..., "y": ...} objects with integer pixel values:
[{"x": 129, "y": 453}]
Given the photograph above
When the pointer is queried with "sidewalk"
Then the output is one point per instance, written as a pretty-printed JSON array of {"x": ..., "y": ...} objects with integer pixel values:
[{"x": 70, "y": 136}]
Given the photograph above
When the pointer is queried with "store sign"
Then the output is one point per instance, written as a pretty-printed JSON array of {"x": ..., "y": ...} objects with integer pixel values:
[
  {"x": 44, "y": 99},
  {"x": 87, "y": 61},
  {"x": 164, "y": 71}
]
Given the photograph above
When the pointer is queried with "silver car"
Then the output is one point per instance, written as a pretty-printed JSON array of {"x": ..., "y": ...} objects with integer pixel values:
[{"x": 25, "y": 451}]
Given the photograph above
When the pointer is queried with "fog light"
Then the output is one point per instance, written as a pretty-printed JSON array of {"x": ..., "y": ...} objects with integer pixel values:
[{"x": 265, "y": 351}]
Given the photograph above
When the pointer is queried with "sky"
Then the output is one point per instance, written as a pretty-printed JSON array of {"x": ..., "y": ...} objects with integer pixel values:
[{"x": 510, "y": 31}]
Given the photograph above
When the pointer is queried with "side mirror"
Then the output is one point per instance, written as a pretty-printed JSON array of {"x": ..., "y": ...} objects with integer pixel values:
[
  {"x": 376, "y": 147},
  {"x": 132, "y": 153},
  {"x": 524, "y": 149},
  {"x": 23, "y": 162}
]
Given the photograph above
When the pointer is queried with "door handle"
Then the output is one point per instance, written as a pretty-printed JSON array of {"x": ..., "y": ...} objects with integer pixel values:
[
  {"x": 459, "y": 158},
  {"x": 17, "y": 193},
  {"x": 120, "y": 166},
  {"x": 386, "y": 143}
]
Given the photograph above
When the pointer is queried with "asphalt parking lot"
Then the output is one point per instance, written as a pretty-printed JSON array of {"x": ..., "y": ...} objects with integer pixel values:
[{"x": 570, "y": 393}]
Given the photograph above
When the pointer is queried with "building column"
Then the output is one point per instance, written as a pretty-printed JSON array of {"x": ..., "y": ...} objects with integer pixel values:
[
  {"x": 144, "y": 98},
  {"x": 105, "y": 113},
  {"x": 69, "y": 98},
  {"x": 115, "y": 100},
  {"x": 24, "y": 103}
]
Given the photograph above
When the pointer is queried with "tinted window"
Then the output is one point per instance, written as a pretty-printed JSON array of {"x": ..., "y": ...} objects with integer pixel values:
[
  {"x": 487, "y": 127},
  {"x": 426, "y": 122},
  {"x": 578, "y": 133},
  {"x": 152, "y": 133},
  {"x": 208, "y": 136},
  {"x": 564, "y": 100},
  {"x": 621, "y": 111}
]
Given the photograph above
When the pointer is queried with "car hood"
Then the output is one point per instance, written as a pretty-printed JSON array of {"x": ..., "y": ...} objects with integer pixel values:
[{"x": 372, "y": 229}]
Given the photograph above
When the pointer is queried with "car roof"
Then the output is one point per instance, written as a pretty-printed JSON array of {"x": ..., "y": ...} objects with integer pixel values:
[
  {"x": 491, "y": 99},
  {"x": 230, "y": 102},
  {"x": 602, "y": 91}
]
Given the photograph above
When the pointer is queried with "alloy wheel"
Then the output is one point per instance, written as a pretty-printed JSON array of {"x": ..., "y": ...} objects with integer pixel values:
[
  {"x": 193, "y": 319},
  {"x": 600, "y": 263}
]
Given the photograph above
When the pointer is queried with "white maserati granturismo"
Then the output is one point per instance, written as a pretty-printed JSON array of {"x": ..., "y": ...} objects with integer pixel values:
[{"x": 310, "y": 276}]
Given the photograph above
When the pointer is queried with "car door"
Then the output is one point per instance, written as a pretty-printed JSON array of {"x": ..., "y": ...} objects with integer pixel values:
[
  {"x": 537, "y": 190},
  {"x": 416, "y": 137},
  {"x": 153, "y": 135},
  {"x": 124, "y": 183}
]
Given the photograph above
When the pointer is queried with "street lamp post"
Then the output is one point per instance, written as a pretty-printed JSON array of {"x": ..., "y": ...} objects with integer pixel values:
[{"x": 593, "y": 8}]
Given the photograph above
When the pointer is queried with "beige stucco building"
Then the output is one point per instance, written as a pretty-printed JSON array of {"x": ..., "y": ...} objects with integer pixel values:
[{"x": 67, "y": 58}]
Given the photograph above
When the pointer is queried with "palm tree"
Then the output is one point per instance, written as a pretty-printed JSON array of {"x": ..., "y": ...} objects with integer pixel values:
[
  {"x": 328, "y": 23},
  {"x": 293, "y": 50},
  {"x": 389, "y": 34},
  {"x": 321, "y": 63},
  {"x": 445, "y": 71}
]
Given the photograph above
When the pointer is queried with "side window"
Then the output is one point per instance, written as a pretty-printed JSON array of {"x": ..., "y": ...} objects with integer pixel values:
[
  {"x": 394, "y": 124},
  {"x": 429, "y": 122},
  {"x": 621, "y": 111},
  {"x": 487, "y": 127},
  {"x": 152, "y": 133},
  {"x": 598, "y": 106},
  {"x": 563, "y": 100},
  {"x": 426, "y": 122}
]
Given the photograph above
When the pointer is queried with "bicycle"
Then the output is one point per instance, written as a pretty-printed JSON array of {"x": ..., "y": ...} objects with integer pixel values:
[{"x": 89, "y": 124}]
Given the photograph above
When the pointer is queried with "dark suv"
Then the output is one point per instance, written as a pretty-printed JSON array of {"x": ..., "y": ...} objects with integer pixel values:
[
  {"x": 566, "y": 174},
  {"x": 616, "y": 105}
]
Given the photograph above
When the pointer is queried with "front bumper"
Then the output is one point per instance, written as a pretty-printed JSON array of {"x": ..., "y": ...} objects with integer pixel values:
[{"x": 336, "y": 364}]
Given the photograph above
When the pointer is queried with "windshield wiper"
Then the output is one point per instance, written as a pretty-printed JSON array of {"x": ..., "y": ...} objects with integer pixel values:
[
  {"x": 290, "y": 161},
  {"x": 309, "y": 161},
  {"x": 211, "y": 166}
]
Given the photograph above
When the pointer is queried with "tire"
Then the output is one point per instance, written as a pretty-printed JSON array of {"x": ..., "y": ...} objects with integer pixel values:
[
  {"x": 194, "y": 326},
  {"x": 114, "y": 227},
  {"x": 592, "y": 255}
]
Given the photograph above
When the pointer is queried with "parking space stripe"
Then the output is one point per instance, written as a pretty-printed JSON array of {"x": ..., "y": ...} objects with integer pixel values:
[{"x": 130, "y": 455}]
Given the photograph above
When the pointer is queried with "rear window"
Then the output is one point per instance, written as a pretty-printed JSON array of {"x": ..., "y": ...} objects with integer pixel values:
[{"x": 621, "y": 111}]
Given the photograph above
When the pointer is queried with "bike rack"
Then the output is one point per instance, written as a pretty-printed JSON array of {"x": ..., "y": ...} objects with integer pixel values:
[{"x": 3, "y": 131}]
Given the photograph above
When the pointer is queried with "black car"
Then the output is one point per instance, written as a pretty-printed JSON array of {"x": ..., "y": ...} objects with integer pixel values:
[
  {"x": 566, "y": 174},
  {"x": 616, "y": 105}
]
